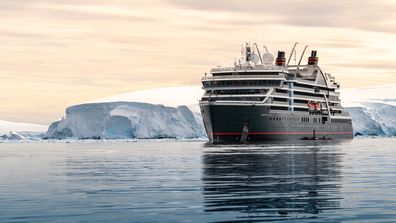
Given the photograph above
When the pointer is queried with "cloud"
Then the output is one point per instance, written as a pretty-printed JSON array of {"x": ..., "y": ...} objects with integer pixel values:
[{"x": 355, "y": 14}]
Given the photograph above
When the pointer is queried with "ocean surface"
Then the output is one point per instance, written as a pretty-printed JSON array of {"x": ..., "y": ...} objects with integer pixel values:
[{"x": 190, "y": 181}]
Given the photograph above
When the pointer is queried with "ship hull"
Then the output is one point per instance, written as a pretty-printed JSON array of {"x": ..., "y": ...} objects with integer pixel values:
[{"x": 253, "y": 123}]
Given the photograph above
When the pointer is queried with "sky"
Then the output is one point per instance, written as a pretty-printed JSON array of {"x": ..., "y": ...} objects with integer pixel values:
[{"x": 57, "y": 53}]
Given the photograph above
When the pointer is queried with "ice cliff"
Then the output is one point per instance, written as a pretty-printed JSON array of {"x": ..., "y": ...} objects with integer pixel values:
[
  {"x": 127, "y": 120},
  {"x": 374, "y": 119}
]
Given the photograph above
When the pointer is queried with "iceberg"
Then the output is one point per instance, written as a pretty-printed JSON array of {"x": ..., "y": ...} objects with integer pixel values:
[
  {"x": 21, "y": 131},
  {"x": 118, "y": 120},
  {"x": 23, "y": 135},
  {"x": 12, "y": 136},
  {"x": 373, "y": 119}
]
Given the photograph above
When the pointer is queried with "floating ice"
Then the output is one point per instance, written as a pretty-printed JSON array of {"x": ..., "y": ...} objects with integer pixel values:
[
  {"x": 127, "y": 120},
  {"x": 374, "y": 119}
]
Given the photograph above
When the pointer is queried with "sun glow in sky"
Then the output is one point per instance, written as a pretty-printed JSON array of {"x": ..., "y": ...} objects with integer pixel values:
[{"x": 56, "y": 53}]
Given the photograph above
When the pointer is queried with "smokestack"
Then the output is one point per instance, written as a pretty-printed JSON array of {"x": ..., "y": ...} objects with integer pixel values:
[
  {"x": 313, "y": 59},
  {"x": 281, "y": 60}
]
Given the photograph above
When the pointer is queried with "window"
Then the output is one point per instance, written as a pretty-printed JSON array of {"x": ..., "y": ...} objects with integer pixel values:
[
  {"x": 296, "y": 93},
  {"x": 281, "y": 91},
  {"x": 280, "y": 99},
  {"x": 244, "y": 73},
  {"x": 341, "y": 121},
  {"x": 241, "y": 91},
  {"x": 301, "y": 109},
  {"x": 232, "y": 83},
  {"x": 279, "y": 108}
]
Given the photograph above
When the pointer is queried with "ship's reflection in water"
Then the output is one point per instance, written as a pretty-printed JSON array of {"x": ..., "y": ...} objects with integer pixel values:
[{"x": 272, "y": 182}]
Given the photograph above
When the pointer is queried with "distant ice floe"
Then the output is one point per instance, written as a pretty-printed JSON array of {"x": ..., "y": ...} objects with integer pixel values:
[
  {"x": 23, "y": 135},
  {"x": 373, "y": 119},
  {"x": 21, "y": 131}
]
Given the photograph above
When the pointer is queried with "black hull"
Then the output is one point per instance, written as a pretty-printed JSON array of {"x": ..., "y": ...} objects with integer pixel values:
[{"x": 249, "y": 123}]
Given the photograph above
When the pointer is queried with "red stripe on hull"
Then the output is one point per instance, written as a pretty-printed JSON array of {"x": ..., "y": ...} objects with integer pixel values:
[{"x": 279, "y": 133}]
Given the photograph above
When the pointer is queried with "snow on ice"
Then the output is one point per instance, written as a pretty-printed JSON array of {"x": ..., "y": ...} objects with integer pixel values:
[
  {"x": 19, "y": 131},
  {"x": 127, "y": 120}
]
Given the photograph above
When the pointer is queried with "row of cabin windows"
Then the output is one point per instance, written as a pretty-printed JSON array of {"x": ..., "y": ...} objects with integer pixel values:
[
  {"x": 341, "y": 121},
  {"x": 280, "y": 108},
  {"x": 310, "y": 87},
  {"x": 299, "y": 127},
  {"x": 290, "y": 119},
  {"x": 239, "y": 83},
  {"x": 307, "y": 94},
  {"x": 244, "y": 73},
  {"x": 281, "y": 91},
  {"x": 301, "y": 109},
  {"x": 238, "y": 92},
  {"x": 297, "y": 93},
  {"x": 293, "y": 119},
  {"x": 233, "y": 99},
  {"x": 301, "y": 101},
  {"x": 280, "y": 99},
  {"x": 295, "y": 100}
]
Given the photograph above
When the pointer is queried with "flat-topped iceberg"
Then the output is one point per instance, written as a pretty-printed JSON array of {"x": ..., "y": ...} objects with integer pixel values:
[{"x": 127, "y": 120}]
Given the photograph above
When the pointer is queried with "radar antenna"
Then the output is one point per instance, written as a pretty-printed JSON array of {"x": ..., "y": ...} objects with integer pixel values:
[{"x": 291, "y": 53}]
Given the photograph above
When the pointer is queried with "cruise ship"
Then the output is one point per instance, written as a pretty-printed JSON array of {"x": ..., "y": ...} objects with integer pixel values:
[{"x": 257, "y": 100}]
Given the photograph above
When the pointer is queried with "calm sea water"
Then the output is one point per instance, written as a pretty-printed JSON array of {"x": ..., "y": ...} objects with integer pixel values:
[{"x": 176, "y": 181}]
